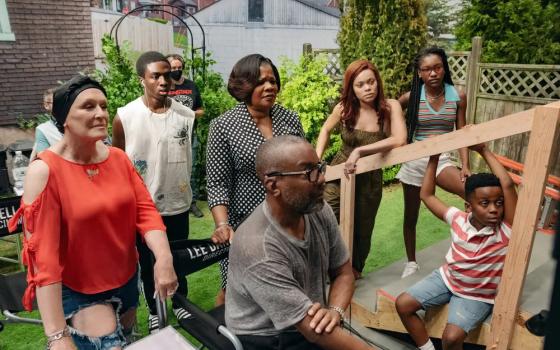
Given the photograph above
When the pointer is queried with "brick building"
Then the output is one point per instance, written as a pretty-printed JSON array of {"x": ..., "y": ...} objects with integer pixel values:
[{"x": 41, "y": 43}]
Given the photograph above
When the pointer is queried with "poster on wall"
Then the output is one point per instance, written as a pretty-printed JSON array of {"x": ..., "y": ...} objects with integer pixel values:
[{"x": 8, "y": 208}]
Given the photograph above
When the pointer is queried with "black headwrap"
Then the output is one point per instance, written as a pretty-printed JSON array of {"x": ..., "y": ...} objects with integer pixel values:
[{"x": 65, "y": 95}]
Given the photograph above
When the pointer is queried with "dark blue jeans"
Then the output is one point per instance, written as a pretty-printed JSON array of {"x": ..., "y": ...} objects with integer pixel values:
[{"x": 122, "y": 299}]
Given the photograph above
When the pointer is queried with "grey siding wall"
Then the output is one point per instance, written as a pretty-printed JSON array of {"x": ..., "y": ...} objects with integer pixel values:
[
  {"x": 276, "y": 12},
  {"x": 287, "y": 25}
]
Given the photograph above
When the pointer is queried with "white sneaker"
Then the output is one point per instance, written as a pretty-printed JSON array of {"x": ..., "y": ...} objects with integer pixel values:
[
  {"x": 410, "y": 268},
  {"x": 181, "y": 314}
]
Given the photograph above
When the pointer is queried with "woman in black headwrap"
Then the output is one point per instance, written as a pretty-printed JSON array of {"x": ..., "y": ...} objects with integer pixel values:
[{"x": 82, "y": 205}]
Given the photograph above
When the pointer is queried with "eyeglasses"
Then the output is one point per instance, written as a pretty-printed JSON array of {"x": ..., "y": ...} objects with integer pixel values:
[
  {"x": 312, "y": 174},
  {"x": 428, "y": 70}
]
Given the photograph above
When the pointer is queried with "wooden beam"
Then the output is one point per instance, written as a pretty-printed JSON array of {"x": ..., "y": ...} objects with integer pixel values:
[
  {"x": 502, "y": 127},
  {"x": 543, "y": 140},
  {"x": 347, "y": 200},
  {"x": 473, "y": 75}
]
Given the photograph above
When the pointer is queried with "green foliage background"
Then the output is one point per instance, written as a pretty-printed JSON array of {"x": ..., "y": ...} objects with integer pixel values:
[
  {"x": 119, "y": 79},
  {"x": 513, "y": 31},
  {"x": 215, "y": 99},
  {"x": 310, "y": 92},
  {"x": 387, "y": 32},
  {"x": 441, "y": 16}
]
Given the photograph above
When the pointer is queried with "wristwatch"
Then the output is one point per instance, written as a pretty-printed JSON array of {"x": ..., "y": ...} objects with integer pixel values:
[{"x": 339, "y": 310}]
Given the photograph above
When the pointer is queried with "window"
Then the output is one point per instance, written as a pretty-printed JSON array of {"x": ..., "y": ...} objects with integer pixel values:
[
  {"x": 5, "y": 29},
  {"x": 256, "y": 10}
]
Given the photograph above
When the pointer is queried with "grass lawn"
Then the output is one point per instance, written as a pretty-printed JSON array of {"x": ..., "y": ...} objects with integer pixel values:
[{"x": 387, "y": 247}]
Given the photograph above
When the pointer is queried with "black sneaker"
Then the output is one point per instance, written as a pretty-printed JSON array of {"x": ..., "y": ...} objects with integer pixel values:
[
  {"x": 181, "y": 314},
  {"x": 195, "y": 211},
  {"x": 153, "y": 323}
]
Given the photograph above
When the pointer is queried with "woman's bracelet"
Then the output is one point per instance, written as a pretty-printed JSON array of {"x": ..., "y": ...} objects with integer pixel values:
[
  {"x": 222, "y": 223},
  {"x": 65, "y": 332}
]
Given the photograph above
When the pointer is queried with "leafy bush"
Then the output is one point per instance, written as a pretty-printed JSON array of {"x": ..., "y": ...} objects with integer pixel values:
[
  {"x": 33, "y": 122},
  {"x": 513, "y": 31},
  {"x": 390, "y": 173},
  {"x": 215, "y": 99},
  {"x": 120, "y": 79},
  {"x": 310, "y": 92}
]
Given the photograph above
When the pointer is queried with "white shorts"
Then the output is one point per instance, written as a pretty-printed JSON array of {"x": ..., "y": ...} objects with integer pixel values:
[{"x": 412, "y": 173}]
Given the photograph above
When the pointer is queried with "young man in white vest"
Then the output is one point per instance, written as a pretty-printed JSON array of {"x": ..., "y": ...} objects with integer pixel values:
[{"x": 155, "y": 131}]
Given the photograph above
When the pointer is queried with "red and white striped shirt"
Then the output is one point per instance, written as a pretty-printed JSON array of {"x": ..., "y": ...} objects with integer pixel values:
[{"x": 476, "y": 258}]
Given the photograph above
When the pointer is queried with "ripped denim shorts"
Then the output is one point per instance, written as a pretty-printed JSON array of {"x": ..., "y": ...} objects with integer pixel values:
[{"x": 122, "y": 299}]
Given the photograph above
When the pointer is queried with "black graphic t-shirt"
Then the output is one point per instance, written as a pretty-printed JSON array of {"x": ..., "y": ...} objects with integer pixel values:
[{"x": 187, "y": 94}]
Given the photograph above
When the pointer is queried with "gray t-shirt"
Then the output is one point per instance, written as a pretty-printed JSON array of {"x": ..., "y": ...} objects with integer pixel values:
[{"x": 273, "y": 277}]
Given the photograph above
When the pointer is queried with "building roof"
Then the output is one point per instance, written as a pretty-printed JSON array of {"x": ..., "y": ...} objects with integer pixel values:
[{"x": 321, "y": 5}]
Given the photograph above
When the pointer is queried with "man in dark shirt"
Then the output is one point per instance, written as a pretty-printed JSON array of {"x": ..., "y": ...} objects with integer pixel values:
[{"x": 186, "y": 92}]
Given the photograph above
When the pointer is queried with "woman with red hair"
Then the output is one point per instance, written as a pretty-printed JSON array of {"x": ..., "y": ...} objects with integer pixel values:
[{"x": 368, "y": 123}]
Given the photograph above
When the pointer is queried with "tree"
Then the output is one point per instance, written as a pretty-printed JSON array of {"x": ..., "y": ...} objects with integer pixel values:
[
  {"x": 440, "y": 19},
  {"x": 513, "y": 31},
  {"x": 387, "y": 32}
]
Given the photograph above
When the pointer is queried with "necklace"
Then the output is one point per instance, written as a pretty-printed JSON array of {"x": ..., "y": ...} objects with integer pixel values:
[
  {"x": 92, "y": 171},
  {"x": 432, "y": 98}
]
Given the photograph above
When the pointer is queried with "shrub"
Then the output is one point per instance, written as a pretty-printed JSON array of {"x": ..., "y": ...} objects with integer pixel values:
[
  {"x": 120, "y": 79},
  {"x": 33, "y": 122},
  {"x": 310, "y": 92},
  {"x": 513, "y": 31},
  {"x": 215, "y": 99},
  {"x": 390, "y": 173}
]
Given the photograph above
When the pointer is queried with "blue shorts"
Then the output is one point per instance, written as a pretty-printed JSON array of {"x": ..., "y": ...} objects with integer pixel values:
[
  {"x": 122, "y": 299},
  {"x": 464, "y": 313}
]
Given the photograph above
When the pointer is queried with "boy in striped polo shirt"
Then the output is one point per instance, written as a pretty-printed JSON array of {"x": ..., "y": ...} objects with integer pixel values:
[{"x": 479, "y": 237}]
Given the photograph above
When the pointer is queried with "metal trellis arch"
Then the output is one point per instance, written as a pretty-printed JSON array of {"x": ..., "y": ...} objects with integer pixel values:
[{"x": 162, "y": 8}]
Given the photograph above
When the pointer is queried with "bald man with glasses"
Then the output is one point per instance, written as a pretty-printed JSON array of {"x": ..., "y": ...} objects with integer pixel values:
[{"x": 283, "y": 255}]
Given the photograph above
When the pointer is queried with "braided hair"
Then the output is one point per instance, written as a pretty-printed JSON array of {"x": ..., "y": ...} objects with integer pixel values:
[{"x": 417, "y": 82}]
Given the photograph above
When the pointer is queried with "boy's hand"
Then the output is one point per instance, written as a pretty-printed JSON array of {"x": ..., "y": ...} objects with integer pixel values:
[
  {"x": 464, "y": 173},
  {"x": 478, "y": 148}
]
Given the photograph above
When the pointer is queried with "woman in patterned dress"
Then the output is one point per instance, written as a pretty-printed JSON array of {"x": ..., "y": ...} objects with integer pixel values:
[
  {"x": 368, "y": 124},
  {"x": 434, "y": 107},
  {"x": 232, "y": 184}
]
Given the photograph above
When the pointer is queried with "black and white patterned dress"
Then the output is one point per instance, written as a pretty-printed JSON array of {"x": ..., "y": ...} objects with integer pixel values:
[{"x": 233, "y": 141}]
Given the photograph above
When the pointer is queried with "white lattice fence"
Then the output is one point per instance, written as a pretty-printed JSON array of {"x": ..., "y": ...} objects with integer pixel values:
[
  {"x": 333, "y": 62},
  {"x": 458, "y": 63},
  {"x": 521, "y": 82}
]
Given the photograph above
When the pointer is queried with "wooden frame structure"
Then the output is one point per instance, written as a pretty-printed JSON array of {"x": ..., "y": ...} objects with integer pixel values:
[{"x": 544, "y": 124}]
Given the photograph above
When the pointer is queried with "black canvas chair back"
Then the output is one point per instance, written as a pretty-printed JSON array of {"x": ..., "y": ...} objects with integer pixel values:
[
  {"x": 190, "y": 256},
  {"x": 12, "y": 288},
  {"x": 193, "y": 255}
]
